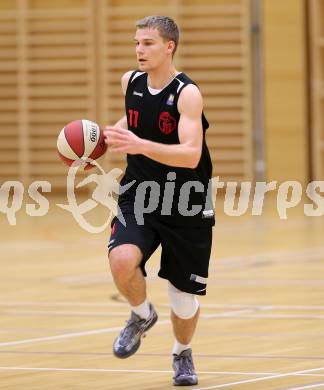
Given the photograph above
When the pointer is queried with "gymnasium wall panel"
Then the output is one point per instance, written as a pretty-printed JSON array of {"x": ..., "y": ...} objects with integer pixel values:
[
  {"x": 63, "y": 60},
  {"x": 316, "y": 41},
  {"x": 286, "y": 138}
]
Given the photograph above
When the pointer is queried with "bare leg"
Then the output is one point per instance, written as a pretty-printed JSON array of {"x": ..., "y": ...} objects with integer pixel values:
[
  {"x": 184, "y": 370},
  {"x": 184, "y": 329},
  {"x": 128, "y": 277},
  {"x": 124, "y": 263}
]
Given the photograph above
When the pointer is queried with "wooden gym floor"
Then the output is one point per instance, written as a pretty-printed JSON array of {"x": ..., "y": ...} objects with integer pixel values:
[{"x": 261, "y": 325}]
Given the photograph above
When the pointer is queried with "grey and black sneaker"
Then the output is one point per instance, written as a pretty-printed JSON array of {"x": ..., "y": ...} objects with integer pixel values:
[
  {"x": 184, "y": 369},
  {"x": 129, "y": 339}
]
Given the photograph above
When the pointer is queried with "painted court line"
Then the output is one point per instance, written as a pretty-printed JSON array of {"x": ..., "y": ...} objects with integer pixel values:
[
  {"x": 105, "y": 370},
  {"x": 124, "y": 304},
  {"x": 72, "y": 313},
  {"x": 63, "y": 304},
  {"x": 59, "y": 337},
  {"x": 267, "y": 316},
  {"x": 68, "y": 335},
  {"x": 308, "y": 386},
  {"x": 243, "y": 313},
  {"x": 127, "y": 371},
  {"x": 91, "y": 332},
  {"x": 276, "y": 376},
  {"x": 165, "y": 354}
]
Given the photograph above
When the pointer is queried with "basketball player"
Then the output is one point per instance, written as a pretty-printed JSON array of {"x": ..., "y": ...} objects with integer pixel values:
[{"x": 163, "y": 135}]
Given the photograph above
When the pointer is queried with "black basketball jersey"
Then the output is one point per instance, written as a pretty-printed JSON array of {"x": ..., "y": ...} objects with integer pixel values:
[{"x": 156, "y": 118}]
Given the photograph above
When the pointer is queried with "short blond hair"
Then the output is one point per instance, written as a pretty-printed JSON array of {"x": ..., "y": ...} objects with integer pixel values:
[{"x": 166, "y": 26}]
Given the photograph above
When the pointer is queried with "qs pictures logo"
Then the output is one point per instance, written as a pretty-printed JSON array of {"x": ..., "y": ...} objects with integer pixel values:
[{"x": 105, "y": 193}]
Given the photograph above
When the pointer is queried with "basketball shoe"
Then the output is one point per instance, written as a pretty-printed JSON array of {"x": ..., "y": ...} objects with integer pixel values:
[
  {"x": 129, "y": 339},
  {"x": 184, "y": 370}
]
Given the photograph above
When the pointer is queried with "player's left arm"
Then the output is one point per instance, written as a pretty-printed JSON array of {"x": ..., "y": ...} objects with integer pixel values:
[{"x": 187, "y": 153}]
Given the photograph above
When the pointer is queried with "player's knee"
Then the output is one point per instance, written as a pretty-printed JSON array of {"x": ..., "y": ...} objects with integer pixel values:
[
  {"x": 184, "y": 305},
  {"x": 123, "y": 265},
  {"x": 122, "y": 262}
]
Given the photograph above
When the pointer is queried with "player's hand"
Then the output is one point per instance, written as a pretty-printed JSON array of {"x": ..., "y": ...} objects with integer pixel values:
[{"x": 120, "y": 140}]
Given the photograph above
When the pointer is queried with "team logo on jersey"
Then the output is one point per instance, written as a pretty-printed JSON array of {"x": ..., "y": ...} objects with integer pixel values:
[
  {"x": 138, "y": 93},
  {"x": 167, "y": 123},
  {"x": 170, "y": 100}
]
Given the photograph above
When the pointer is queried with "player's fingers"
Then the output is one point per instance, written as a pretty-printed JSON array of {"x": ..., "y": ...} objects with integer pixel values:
[
  {"x": 110, "y": 132},
  {"x": 117, "y": 129},
  {"x": 121, "y": 130},
  {"x": 118, "y": 149},
  {"x": 113, "y": 145},
  {"x": 117, "y": 138}
]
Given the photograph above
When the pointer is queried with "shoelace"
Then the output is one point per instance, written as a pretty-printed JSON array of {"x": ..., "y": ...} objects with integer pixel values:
[
  {"x": 129, "y": 329},
  {"x": 185, "y": 365}
]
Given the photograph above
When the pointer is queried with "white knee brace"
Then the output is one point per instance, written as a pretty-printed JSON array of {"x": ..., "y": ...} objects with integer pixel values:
[{"x": 183, "y": 304}]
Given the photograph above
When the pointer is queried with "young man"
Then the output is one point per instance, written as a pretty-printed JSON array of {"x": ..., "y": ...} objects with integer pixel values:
[{"x": 163, "y": 134}]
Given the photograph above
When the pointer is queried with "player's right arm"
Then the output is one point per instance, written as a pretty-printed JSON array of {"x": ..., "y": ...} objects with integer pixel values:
[{"x": 124, "y": 83}]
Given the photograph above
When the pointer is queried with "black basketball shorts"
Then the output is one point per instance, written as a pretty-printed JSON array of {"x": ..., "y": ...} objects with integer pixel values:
[{"x": 185, "y": 250}]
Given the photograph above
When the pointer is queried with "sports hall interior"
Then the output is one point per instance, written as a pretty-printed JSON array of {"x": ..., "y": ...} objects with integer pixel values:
[{"x": 260, "y": 67}]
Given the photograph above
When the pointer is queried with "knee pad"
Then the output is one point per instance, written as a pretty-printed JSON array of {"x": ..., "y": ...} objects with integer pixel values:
[{"x": 184, "y": 305}]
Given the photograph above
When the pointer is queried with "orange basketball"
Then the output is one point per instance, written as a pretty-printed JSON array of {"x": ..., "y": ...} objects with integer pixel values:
[{"x": 81, "y": 139}]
